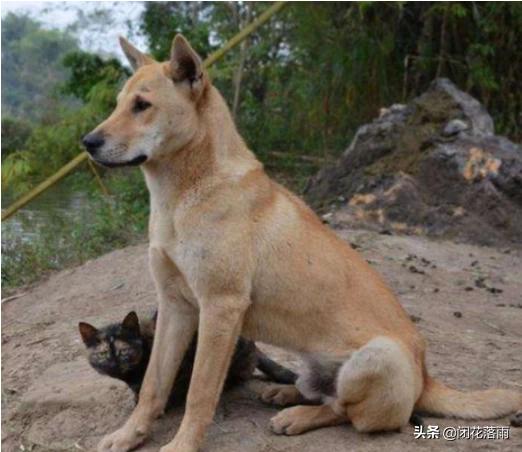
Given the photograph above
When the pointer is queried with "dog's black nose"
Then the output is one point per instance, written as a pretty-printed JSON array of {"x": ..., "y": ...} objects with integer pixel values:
[{"x": 93, "y": 141}]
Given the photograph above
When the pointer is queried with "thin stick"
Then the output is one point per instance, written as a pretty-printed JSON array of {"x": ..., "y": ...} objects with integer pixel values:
[
  {"x": 13, "y": 297},
  {"x": 104, "y": 189},
  {"x": 305, "y": 158}
]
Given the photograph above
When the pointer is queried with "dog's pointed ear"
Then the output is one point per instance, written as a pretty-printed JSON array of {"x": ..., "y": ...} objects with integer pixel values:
[
  {"x": 135, "y": 57},
  {"x": 88, "y": 333},
  {"x": 185, "y": 63},
  {"x": 131, "y": 323}
]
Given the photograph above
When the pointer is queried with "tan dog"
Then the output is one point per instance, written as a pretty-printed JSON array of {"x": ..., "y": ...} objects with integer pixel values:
[{"x": 234, "y": 252}]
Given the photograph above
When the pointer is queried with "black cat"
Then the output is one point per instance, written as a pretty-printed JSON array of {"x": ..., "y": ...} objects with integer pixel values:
[{"x": 122, "y": 351}]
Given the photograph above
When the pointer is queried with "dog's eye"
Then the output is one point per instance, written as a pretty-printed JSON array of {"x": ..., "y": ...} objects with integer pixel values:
[{"x": 140, "y": 105}]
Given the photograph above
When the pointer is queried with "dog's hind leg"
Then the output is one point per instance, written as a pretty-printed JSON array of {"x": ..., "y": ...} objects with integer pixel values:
[
  {"x": 375, "y": 390},
  {"x": 377, "y": 387}
]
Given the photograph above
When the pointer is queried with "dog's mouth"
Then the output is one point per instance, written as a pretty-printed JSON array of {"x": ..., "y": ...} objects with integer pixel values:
[{"x": 134, "y": 162}]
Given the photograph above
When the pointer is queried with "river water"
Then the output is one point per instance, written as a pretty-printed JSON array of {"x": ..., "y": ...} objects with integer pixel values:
[{"x": 61, "y": 203}]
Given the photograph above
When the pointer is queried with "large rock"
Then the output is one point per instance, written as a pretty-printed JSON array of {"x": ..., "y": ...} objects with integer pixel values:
[{"x": 431, "y": 167}]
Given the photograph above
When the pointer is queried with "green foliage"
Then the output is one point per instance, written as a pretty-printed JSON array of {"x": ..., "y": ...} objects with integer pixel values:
[
  {"x": 318, "y": 70},
  {"x": 15, "y": 133},
  {"x": 16, "y": 169},
  {"x": 161, "y": 20},
  {"x": 327, "y": 86},
  {"x": 87, "y": 70},
  {"x": 50, "y": 147},
  {"x": 477, "y": 46}
]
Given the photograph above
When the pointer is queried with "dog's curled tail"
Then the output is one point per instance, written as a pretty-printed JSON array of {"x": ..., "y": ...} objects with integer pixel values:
[{"x": 439, "y": 400}]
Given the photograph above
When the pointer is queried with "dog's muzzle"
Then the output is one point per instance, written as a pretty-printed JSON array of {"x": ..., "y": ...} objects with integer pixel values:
[{"x": 93, "y": 142}]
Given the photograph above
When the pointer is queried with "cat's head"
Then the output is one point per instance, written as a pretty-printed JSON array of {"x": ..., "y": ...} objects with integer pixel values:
[{"x": 115, "y": 350}]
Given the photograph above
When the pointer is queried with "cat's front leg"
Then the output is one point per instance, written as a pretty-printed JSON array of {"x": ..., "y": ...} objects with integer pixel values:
[{"x": 176, "y": 325}]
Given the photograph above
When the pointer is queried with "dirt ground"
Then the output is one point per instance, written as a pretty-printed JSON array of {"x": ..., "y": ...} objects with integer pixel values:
[{"x": 465, "y": 299}]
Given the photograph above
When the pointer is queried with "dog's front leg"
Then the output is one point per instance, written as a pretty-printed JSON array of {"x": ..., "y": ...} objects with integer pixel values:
[
  {"x": 219, "y": 328},
  {"x": 174, "y": 331},
  {"x": 175, "y": 328}
]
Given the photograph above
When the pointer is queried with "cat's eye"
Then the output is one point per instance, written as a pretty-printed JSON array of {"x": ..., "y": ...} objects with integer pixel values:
[{"x": 140, "y": 105}]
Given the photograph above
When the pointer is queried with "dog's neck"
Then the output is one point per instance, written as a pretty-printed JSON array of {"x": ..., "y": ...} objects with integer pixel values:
[{"x": 216, "y": 153}]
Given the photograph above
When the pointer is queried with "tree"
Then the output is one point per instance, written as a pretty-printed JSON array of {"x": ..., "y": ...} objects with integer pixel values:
[
  {"x": 161, "y": 20},
  {"x": 31, "y": 66},
  {"x": 33, "y": 154},
  {"x": 87, "y": 70}
]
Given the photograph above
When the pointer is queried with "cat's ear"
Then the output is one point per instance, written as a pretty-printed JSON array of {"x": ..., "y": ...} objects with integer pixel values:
[
  {"x": 131, "y": 323},
  {"x": 88, "y": 333}
]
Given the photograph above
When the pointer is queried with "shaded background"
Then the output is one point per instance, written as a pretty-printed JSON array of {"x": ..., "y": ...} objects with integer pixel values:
[{"x": 299, "y": 87}]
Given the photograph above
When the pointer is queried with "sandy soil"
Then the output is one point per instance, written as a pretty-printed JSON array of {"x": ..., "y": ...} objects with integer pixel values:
[{"x": 465, "y": 299}]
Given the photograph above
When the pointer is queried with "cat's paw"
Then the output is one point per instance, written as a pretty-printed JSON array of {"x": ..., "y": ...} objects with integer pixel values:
[
  {"x": 122, "y": 440},
  {"x": 281, "y": 395}
]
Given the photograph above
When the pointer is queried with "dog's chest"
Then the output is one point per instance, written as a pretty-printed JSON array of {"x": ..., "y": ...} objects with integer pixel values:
[
  {"x": 185, "y": 250},
  {"x": 162, "y": 233}
]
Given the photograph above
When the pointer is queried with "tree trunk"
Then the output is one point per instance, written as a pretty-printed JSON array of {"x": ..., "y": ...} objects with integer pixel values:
[{"x": 443, "y": 43}]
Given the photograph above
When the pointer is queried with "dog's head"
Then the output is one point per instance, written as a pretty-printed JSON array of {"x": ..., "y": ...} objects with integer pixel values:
[{"x": 156, "y": 111}]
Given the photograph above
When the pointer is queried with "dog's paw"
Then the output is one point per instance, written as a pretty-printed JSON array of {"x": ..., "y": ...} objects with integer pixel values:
[
  {"x": 173, "y": 448},
  {"x": 121, "y": 440},
  {"x": 180, "y": 444},
  {"x": 289, "y": 422},
  {"x": 280, "y": 395}
]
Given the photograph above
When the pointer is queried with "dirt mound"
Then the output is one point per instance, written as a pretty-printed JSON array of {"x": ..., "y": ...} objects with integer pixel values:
[
  {"x": 465, "y": 300},
  {"x": 431, "y": 167}
]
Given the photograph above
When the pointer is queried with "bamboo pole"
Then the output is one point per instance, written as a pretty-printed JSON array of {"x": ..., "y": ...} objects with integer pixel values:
[
  {"x": 39, "y": 189},
  {"x": 248, "y": 30},
  {"x": 209, "y": 61}
]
